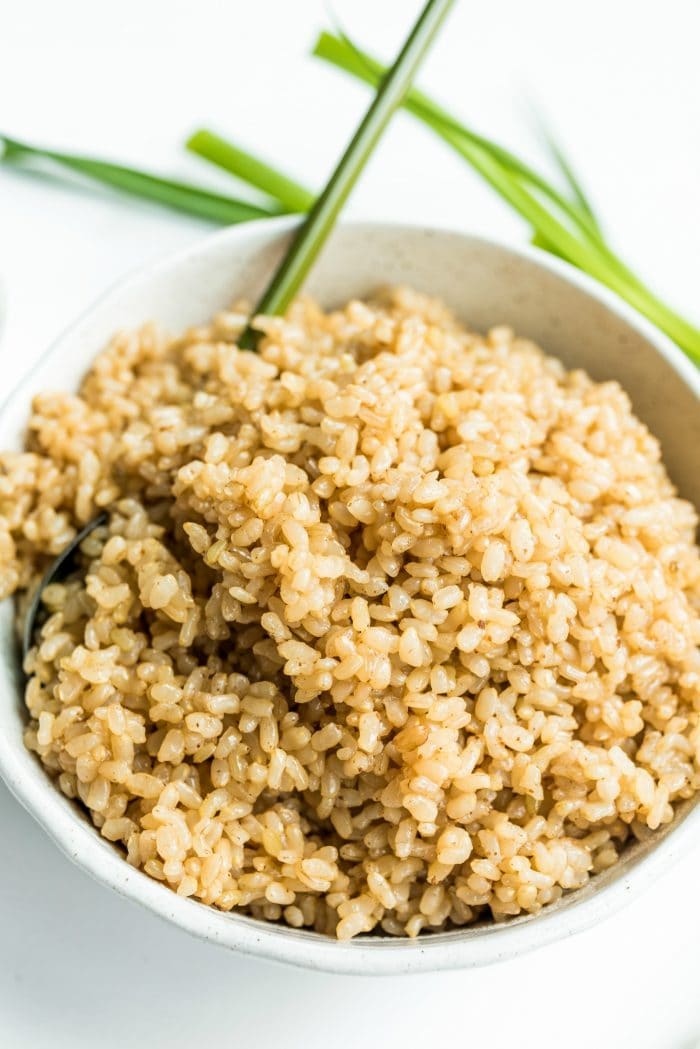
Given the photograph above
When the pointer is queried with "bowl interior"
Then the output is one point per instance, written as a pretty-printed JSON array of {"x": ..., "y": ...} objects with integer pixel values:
[{"x": 485, "y": 284}]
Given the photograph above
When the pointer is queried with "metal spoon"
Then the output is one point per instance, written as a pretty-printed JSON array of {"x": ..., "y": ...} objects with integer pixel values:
[{"x": 57, "y": 570}]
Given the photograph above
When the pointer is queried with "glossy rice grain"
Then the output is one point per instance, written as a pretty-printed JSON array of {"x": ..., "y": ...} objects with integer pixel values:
[{"x": 393, "y": 626}]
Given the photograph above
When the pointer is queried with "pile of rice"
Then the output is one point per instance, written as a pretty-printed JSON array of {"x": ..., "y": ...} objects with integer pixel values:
[{"x": 393, "y": 626}]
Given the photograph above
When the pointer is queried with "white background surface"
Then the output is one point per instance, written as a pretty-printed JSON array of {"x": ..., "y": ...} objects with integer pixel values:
[{"x": 620, "y": 81}]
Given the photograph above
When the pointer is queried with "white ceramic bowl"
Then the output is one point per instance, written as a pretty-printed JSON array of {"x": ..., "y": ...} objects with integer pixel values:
[{"x": 486, "y": 284}]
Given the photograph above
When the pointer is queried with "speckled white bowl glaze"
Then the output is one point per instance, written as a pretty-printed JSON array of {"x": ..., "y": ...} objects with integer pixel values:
[{"x": 486, "y": 284}]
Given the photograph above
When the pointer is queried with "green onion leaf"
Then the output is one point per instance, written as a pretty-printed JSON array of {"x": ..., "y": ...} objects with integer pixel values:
[
  {"x": 340, "y": 51},
  {"x": 180, "y": 196},
  {"x": 563, "y": 228},
  {"x": 290, "y": 195},
  {"x": 314, "y": 232},
  {"x": 567, "y": 172}
]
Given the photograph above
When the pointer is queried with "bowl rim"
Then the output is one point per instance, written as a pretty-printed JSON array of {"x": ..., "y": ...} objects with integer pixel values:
[{"x": 472, "y": 947}]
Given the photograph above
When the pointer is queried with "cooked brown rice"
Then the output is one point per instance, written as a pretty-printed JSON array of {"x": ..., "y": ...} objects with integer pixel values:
[{"x": 393, "y": 626}]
